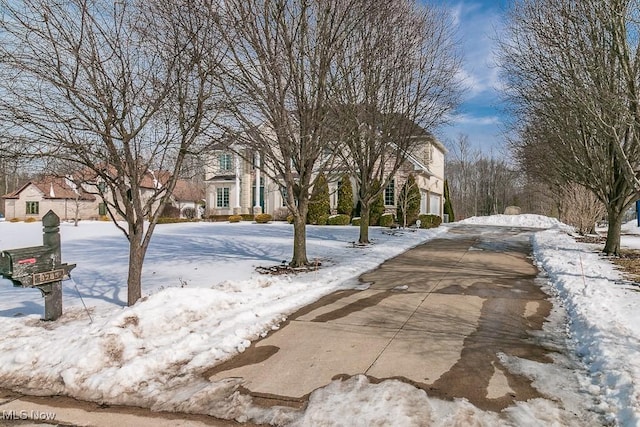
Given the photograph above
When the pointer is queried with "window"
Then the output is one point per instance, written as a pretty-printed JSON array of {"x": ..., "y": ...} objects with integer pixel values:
[
  {"x": 434, "y": 204},
  {"x": 222, "y": 197},
  {"x": 102, "y": 186},
  {"x": 428, "y": 154},
  {"x": 102, "y": 209},
  {"x": 33, "y": 208},
  {"x": 390, "y": 193},
  {"x": 225, "y": 162}
]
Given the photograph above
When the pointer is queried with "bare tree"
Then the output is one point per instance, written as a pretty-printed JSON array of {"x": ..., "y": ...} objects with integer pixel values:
[
  {"x": 280, "y": 54},
  {"x": 572, "y": 69},
  {"x": 409, "y": 202},
  {"x": 480, "y": 184},
  {"x": 579, "y": 207},
  {"x": 497, "y": 185},
  {"x": 13, "y": 172},
  {"x": 463, "y": 177},
  {"x": 121, "y": 89},
  {"x": 395, "y": 83}
]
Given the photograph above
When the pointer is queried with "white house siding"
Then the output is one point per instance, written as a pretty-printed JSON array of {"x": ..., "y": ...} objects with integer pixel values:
[{"x": 212, "y": 197}]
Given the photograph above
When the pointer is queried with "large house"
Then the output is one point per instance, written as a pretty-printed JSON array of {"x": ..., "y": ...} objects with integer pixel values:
[
  {"x": 69, "y": 200},
  {"x": 236, "y": 183}
]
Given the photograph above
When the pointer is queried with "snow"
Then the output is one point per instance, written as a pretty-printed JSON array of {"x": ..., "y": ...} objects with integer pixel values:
[
  {"x": 603, "y": 323},
  {"x": 204, "y": 303},
  {"x": 524, "y": 220}
]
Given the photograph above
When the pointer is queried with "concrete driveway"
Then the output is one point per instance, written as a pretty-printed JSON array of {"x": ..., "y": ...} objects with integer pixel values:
[{"x": 436, "y": 316}]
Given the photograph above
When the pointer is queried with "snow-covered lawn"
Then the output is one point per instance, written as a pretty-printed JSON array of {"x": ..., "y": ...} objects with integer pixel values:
[{"x": 204, "y": 303}]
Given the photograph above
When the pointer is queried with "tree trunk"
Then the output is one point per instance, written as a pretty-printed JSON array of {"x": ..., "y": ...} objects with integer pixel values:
[
  {"x": 614, "y": 216},
  {"x": 299, "y": 242},
  {"x": 136, "y": 258},
  {"x": 404, "y": 216},
  {"x": 76, "y": 217},
  {"x": 364, "y": 223}
]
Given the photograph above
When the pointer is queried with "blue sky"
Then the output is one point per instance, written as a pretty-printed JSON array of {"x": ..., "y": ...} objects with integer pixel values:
[{"x": 481, "y": 115}]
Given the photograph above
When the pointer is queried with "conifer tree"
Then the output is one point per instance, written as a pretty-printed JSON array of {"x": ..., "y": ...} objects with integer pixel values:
[
  {"x": 345, "y": 196},
  {"x": 319, "y": 203},
  {"x": 377, "y": 206},
  {"x": 448, "y": 207}
]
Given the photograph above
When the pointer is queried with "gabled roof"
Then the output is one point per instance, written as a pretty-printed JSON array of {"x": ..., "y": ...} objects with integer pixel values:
[
  {"x": 151, "y": 179},
  {"x": 419, "y": 165},
  {"x": 187, "y": 191},
  {"x": 53, "y": 187},
  {"x": 392, "y": 124}
]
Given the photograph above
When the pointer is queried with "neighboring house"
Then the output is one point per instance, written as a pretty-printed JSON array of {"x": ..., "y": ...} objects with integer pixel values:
[
  {"x": 152, "y": 183},
  {"x": 61, "y": 195},
  {"x": 188, "y": 195},
  {"x": 237, "y": 186},
  {"x": 65, "y": 198}
]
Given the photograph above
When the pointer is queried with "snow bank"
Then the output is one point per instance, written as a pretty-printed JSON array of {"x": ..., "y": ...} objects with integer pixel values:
[
  {"x": 524, "y": 220},
  {"x": 394, "y": 403},
  {"x": 603, "y": 320}
]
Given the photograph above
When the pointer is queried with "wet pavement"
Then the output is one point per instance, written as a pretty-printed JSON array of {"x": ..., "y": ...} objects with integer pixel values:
[{"x": 436, "y": 317}]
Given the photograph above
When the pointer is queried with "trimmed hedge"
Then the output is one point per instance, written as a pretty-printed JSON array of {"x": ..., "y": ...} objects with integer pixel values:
[
  {"x": 386, "y": 220},
  {"x": 356, "y": 221},
  {"x": 168, "y": 220},
  {"x": 235, "y": 218},
  {"x": 340, "y": 219},
  {"x": 429, "y": 221},
  {"x": 323, "y": 219},
  {"x": 189, "y": 213},
  {"x": 263, "y": 218}
]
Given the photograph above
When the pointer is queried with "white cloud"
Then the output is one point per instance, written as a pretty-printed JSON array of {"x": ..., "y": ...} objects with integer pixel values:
[
  {"x": 478, "y": 25},
  {"x": 478, "y": 28},
  {"x": 456, "y": 12},
  {"x": 468, "y": 119}
]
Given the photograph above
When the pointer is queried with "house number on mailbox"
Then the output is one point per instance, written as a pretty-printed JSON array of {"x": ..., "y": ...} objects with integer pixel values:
[{"x": 47, "y": 277}]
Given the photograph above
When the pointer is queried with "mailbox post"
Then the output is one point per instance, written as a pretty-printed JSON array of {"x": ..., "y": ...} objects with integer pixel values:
[
  {"x": 53, "y": 292},
  {"x": 40, "y": 267}
]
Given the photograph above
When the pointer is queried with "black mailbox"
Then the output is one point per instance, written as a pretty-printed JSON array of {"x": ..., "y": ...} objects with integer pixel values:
[
  {"x": 39, "y": 267},
  {"x": 34, "y": 266}
]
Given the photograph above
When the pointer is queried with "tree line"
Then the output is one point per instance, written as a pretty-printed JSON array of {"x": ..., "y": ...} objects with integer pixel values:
[
  {"x": 571, "y": 69},
  {"x": 480, "y": 184},
  {"x": 117, "y": 89}
]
